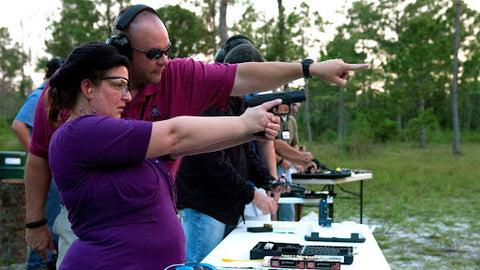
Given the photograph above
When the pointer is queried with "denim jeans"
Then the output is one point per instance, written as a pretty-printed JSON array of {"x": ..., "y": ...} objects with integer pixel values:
[
  {"x": 202, "y": 233},
  {"x": 52, "y": 208},
  {"x": 286, "y": 211}
]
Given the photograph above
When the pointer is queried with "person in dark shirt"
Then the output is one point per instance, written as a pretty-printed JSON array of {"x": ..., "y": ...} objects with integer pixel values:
[{"x": 213, "y": 188}]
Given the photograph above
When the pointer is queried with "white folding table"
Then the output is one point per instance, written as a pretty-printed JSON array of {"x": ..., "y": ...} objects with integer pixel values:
[
  {"x": 234, "y": 251},
  {"x": 330, "y": 184}
]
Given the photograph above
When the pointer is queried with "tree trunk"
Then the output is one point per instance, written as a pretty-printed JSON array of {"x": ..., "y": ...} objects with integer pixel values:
[
  {"x": 454, "y": 98},
  {"x": 281, "y": 31},
  {"x": 281, "y": 36},
  {"x": 399, "y": 122},
  {"x": 211, "y": 25},
  {"x": 222, "y": 24},
  {"x": 108, "y": 19},
  {"x": 341, "y": 115},
  {"x": 422, "y": 140},
  {"x": 307, "y": 115}
]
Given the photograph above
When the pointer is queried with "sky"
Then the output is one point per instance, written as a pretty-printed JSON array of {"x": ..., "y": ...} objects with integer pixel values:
[{"x": 28, "y": 20}]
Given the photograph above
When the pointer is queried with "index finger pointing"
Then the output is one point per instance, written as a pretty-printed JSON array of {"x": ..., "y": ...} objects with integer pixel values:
[
  {"x": 357, "y": 66},
  {"x": 272, "y": 103}
]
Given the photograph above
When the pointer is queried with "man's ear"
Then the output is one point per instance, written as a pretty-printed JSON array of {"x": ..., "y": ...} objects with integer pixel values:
[{"x": 87, "y": 88}]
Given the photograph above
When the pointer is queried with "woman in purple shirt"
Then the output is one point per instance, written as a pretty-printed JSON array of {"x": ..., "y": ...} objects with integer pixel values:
[{"x": 119, "y": 194}]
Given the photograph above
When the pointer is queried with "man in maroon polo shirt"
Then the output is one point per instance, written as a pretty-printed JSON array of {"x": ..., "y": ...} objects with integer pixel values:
[{"x": 163, "y": 89}]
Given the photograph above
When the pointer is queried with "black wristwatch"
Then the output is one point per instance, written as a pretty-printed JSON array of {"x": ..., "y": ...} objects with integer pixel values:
[
  {"x": 36, "y": 224},
  {"x": 306, "y": 67}
]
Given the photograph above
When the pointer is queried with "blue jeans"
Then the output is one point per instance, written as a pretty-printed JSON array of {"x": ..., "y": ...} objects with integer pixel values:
[
  {"x": 202, "y": 233},
  {"x": 286, "y": 211},
  {"x": 52, "y": 208}
]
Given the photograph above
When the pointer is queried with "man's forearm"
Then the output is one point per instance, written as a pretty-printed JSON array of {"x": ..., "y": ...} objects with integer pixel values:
[
  {"x": 284, "y": 150},
  {"x": 37, "y": 183},
  {"x": 253, "y": 77},
  {"x": 22, "y": 133}
]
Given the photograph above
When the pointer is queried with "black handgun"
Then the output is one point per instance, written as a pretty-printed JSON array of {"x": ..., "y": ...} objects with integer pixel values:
[{"x": 287, "y": 97}]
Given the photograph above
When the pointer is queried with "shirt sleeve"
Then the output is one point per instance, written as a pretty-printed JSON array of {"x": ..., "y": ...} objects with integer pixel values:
[
  {"x": 202, "y": 85},
  {"x": 96, "y": 141},
  {"x": 258, "y": 172},
  {"x": 42, "y": 130},
  {"x": 25, "y": 114}
]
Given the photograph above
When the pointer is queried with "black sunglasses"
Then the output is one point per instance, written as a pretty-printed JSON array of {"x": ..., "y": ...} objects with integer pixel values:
[{"x": 155, "y": 54}]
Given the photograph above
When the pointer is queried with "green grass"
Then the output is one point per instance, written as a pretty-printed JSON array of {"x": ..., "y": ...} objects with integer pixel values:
[
  {"x": 425, "y": 200},
  {"x": 8, "y": 141}
]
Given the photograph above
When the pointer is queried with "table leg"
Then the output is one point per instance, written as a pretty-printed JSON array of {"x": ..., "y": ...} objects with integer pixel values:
[
  {"x": 330, "y": 190},
  {"x": 361, "y": 202}
]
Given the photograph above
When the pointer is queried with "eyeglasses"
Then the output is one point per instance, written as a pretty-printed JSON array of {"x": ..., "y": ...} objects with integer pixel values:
[
  {"x": 155, "y": 54},
  {"x": 118, "y": 82}
]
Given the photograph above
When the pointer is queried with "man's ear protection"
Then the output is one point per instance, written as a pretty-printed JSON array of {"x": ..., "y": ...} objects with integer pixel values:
[{"x": 121, "y": 41}]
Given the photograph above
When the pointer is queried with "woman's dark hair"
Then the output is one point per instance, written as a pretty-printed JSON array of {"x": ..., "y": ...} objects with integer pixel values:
[{"x": 89, "y": 61}]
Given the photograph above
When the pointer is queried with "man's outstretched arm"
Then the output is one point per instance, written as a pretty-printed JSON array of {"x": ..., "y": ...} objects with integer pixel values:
[{"x": 253, "y": 76}]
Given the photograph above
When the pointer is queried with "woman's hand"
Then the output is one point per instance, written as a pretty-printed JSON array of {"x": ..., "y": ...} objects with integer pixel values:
[{"x": 258, "y": 119}]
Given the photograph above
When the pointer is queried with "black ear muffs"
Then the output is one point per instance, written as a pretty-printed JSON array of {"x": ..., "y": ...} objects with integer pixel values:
[
  {"x": 231, "y": 43},
  {"x": 121, "y": 41},
  {"x": 122, "y": 44}
]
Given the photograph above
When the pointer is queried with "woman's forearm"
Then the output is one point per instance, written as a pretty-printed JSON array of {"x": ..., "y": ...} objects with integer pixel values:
[{"x": 185, "y": 134}]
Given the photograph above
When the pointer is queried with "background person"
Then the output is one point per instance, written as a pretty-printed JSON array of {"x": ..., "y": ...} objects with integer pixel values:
[
  {"x": 162, "y": 89},
  {"x": 213, "y": 188},
  {"x": 291, "y": 158},
  {"x": 23, "y": 123},
  {"x": 266, "y": 149},
  {"x": 22, "y": 127}
]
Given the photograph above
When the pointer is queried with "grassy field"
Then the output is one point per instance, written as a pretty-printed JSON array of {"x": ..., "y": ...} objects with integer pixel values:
[
  {"x": 8, "y": 141},
  {"x": 424, "y": 201}
]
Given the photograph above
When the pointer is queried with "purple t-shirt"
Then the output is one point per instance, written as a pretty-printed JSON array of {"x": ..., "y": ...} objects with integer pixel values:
[{"x": 121, "y": 205}]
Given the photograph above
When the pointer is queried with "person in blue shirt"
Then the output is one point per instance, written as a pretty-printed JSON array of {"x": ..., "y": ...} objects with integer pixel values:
[{"x": 22, "y": 127}]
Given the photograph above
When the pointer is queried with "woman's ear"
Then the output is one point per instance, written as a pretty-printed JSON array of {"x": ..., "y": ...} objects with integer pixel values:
[{"x": 87, "y": 88}]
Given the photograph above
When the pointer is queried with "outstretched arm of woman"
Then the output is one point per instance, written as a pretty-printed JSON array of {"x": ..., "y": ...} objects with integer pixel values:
[{"x": 184, "y": 135}]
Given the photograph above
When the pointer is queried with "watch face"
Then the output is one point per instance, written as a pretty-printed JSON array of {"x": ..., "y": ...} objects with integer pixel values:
[
  {"x": 307, "y": 61},
  {"x": 306, "y": 68}
]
